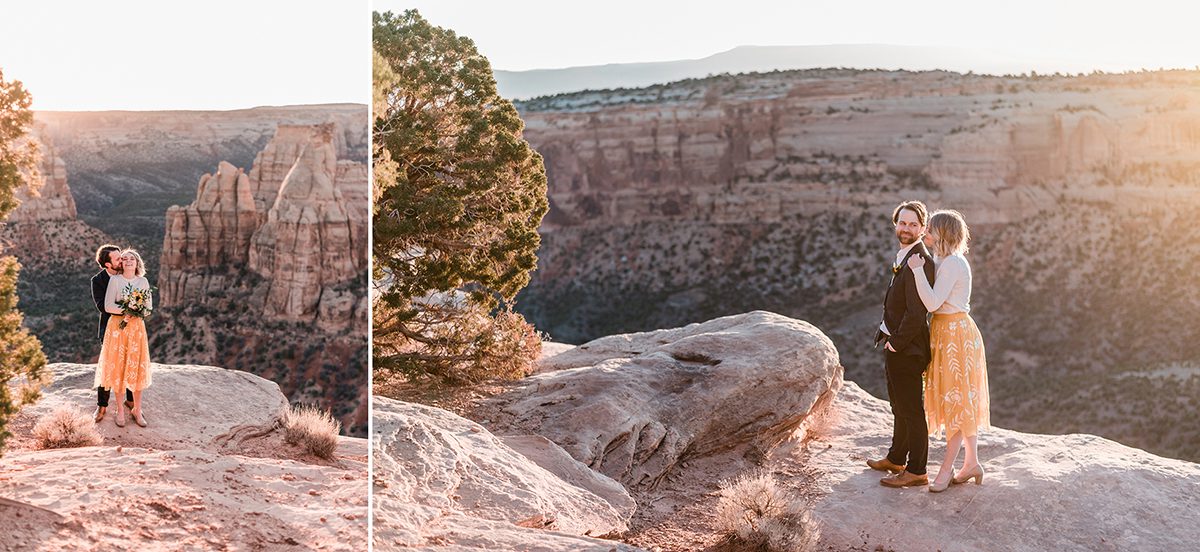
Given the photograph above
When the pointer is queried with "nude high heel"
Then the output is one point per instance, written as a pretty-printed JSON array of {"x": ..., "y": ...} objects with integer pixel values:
[
  {"x": 935, "y": 488},
  {"x": 976, "y": 473}
]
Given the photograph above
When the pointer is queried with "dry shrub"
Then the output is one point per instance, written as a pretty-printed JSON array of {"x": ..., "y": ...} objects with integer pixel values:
[
  {"x": 754, "y": 508},
  {"x": 312, "y": 429},
  {"x": 66, "y": 427}
]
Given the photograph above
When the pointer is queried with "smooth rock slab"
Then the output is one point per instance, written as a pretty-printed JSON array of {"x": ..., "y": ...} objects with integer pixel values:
[
  {"x": 1040, "y": 492},
  {"x": 186, "y": 406},
  {"x": 436, "y": 474},
  {"x": 632, "y": 406},
  {"x": 113, "y": 498}
]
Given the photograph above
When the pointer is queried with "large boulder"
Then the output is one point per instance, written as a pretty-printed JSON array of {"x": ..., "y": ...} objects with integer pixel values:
[
  {"x": 187, "y": 406},
  {"x": 633, "y": 406},
  {"x": 444, "y": 481},
  {"x": 1040, "y": 492}
]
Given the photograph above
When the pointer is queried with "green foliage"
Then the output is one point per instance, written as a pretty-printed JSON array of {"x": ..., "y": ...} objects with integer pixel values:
[
  {"x": 18, "y": 155},
  {"x": 21, "y": 360},
  {"x": 458, "y": 198}
]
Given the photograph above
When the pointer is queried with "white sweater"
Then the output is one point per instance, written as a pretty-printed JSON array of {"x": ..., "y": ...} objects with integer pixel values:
[
  {"x": 116, "y": 284},
  {"x": 952, "y": 292}
]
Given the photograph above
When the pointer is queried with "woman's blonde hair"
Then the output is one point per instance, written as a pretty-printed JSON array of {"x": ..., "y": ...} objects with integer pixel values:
[
  {"x": 951, "y": 231},
  {"x": 141, "y": 268}
]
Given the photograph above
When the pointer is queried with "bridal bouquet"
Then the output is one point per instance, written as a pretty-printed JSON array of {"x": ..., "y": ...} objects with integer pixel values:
[{"x": 136, "y": 302}]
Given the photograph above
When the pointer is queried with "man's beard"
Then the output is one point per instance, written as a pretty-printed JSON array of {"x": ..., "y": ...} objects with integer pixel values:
[{"x": 906, "y": 238}]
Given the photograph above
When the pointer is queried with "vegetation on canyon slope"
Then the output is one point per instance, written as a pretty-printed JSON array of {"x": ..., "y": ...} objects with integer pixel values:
[
  {"x": 1087, "y": 304},
  {"x": 459, "y": 195}
]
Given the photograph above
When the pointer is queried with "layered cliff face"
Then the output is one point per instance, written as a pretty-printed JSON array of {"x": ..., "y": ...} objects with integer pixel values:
[
  {"x": 702, "y": 198},
  {"x": 270, "y": 264},
  {"x": 297, "y": 232},
  {"x": 128, "y": 167},
  {"x": 56, "y": 251},
  {"x": 308, "y": 242},
  {"x": 43, "y": 230},
  {"x": 52, "y": 201}
]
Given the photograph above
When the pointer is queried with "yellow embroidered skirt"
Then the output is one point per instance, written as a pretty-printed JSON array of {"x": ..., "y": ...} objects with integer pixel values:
[
  {"x": 956, "y": 387},
  {"x": 124, "y": 357}
]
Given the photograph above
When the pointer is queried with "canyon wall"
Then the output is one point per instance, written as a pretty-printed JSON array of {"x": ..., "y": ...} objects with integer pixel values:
[
  {"x": 274, "y": 260},
  {"x": 708, "y": 197}
]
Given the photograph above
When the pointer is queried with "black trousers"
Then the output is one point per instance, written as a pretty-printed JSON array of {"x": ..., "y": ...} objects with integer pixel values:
[
  {"x": 103, "y": 393},
  {"x": 910, "y": 433}
]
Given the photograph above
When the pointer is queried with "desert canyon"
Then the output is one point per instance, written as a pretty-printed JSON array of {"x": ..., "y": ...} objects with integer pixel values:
[
  {"x": 713, "y": 266},
  {"x": 707, "y": 197},
  {"x": 253, "y": 226}
]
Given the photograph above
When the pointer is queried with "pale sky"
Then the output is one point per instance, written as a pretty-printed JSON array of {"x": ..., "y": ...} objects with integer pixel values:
[
  {"x": 209, "y": 55},
  {"x": 543, "y": 34}
]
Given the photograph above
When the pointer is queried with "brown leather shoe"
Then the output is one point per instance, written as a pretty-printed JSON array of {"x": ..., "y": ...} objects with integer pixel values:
[
  {"x": 99, "y": 414},
  {"x": 885, "y": 465},
  {"x": 904, "y": 479}
]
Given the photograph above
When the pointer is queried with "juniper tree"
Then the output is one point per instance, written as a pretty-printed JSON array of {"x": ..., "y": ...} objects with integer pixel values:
[
  {"x": 22, "y": 364},
  {"x": 458, "y": 197}
]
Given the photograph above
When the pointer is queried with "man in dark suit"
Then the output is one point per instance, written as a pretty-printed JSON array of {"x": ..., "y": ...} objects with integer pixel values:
[
  {"x": 109, "y": 264},
  {"x": 904, "y": 335}
]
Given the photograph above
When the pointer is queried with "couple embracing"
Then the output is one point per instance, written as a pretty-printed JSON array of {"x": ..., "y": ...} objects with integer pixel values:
[
  {"x": 936, "y": 371},
  {"x": 121, "y": 293}
]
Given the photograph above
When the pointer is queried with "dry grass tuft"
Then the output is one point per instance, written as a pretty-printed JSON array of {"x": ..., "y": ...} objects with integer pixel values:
[
  {"x": 66, "y": 427},
  {"x": 754, "y": 508},
  {"x": 312, "y": 429}
]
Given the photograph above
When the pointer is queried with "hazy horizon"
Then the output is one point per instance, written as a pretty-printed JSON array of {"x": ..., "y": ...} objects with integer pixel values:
[
  {"x": 1065, "y": 36},
  {"x": 167, "y": 110},
  {"x": 213, "y": 56}
]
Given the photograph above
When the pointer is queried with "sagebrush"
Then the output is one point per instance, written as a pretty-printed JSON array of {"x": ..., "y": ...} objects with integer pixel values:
[
  {"x": 312, "y": 429},
  {"x": 756, "y": 509},
  {"x": 66, "y": 427}
]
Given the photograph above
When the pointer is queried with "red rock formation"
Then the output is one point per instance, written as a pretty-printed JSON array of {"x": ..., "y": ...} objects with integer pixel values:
[
  {"x": 762, "y": 147},
  {"x": 44, "y": 229},
  {"x": 52, "y": 200},
  {"x": 214, "y": 231},
  {"x": 307, "y": 241},
  {"x": 287, "y": 220}
]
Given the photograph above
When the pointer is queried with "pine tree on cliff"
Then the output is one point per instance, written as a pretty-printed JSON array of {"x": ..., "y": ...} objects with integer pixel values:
[
  {"x": 22, "y": 364},
  {"x": 458, "y": 197}
]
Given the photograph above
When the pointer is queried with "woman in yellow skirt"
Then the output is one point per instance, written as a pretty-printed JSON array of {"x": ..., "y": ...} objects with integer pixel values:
[
  {"x": 956, "y": 388},
  {"x": 125, "y": 354}
]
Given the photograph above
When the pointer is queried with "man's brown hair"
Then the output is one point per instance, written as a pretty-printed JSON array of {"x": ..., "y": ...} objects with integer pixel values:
[
  {"x": 914, "y": 206},
  {"x": 102, "y": 254}
]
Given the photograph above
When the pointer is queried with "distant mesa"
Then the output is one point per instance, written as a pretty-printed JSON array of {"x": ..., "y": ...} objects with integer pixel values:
[{"x": 745, "y": 59}]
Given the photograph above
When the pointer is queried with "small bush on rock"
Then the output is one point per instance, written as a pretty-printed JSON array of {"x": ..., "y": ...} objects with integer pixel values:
[
  {"x": 312, "y": 429},
  {"x": 753, "y": 508},
  {"x": 66, "y": 427}
]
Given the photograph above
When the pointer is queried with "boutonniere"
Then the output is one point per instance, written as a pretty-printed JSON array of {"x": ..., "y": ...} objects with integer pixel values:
[{"x": 896, "y": 269}]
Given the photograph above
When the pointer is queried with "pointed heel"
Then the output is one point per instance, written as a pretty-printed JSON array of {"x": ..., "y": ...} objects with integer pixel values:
[{"x": 976, "y": 474}]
